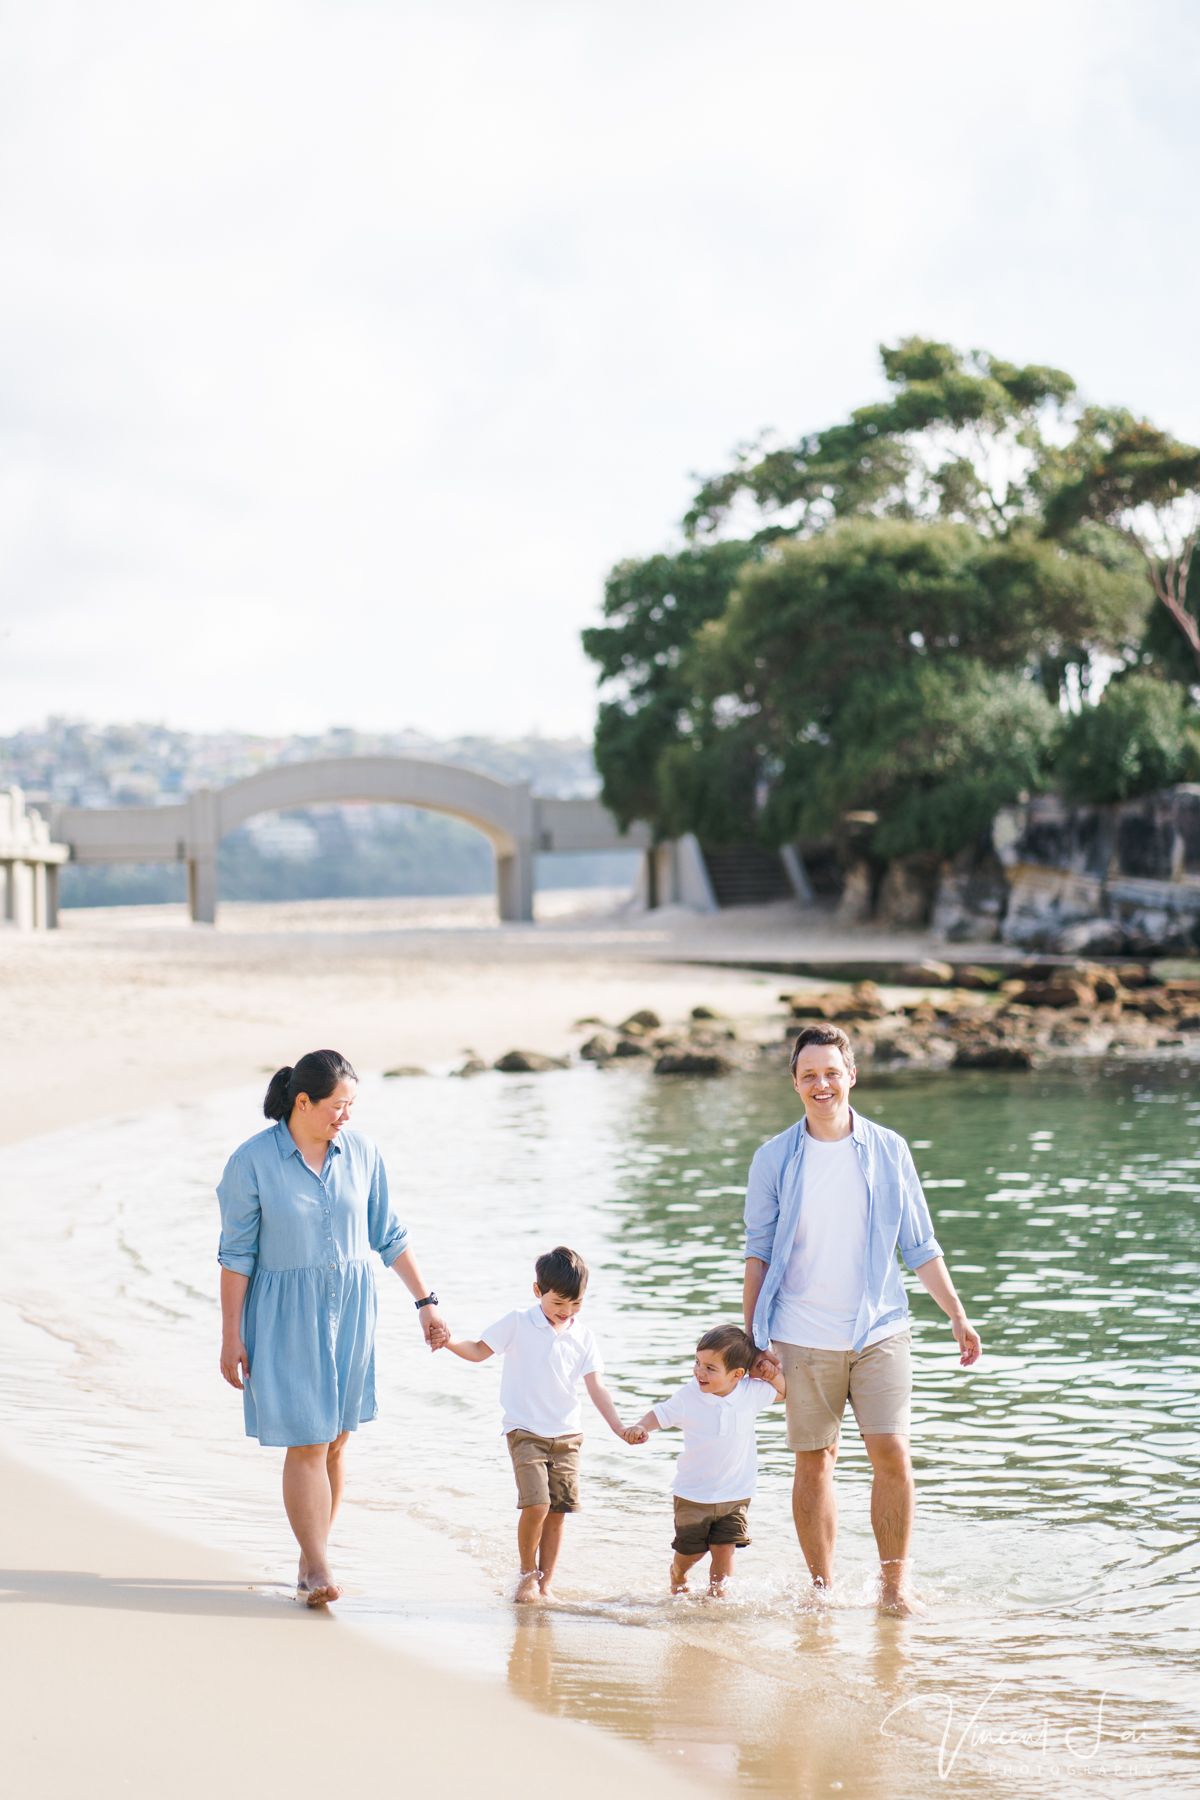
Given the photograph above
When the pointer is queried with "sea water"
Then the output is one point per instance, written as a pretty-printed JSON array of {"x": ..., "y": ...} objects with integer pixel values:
[{"x": 1056, "y": 1542}]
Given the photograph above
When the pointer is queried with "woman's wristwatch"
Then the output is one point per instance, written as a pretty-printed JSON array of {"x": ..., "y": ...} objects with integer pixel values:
[{"x": 430, "y": 1299}]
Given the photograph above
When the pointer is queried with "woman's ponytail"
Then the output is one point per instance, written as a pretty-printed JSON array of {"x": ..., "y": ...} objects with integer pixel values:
[{"x": 278, "y": 1103}]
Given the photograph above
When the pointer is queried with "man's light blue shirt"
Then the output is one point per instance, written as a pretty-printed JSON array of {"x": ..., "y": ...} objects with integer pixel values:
[{"x": 897, "y": 1214}]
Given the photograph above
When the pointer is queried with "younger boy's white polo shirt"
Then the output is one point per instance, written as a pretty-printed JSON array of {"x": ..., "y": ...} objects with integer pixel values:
[
  {"x": 539, "y": 1389},
  {"x": 719, "y": 1459}
]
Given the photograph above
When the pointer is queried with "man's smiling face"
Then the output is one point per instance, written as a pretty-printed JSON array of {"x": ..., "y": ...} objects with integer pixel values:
[{"x": 823, "y": 1080}]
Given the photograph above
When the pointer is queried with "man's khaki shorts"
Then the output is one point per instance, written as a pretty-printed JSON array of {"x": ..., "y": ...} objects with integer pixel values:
[
  {"x": 547, "y": 1470},
  {"x": 701, "y": 1525},
  {"x": 877, "y": 1382}
]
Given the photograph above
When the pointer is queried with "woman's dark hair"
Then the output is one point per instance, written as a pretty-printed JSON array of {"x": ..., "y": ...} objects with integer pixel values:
[
  {"x": 316, "y": 1075},
  {"x": 562, "y": 1272}
]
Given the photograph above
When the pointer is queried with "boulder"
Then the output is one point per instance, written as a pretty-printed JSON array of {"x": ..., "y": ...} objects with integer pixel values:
[
  {"x": 1097, "y": 937},
  {"x": 706, "y": 1012},
  {"x": 404, "y": 1069},
  {"x": 474, "y": 1065},
  {"x": 927, "y": 974},
  {"x": 630, "y": 1047},
  {"x": 864, "y": 1003},
  {"x": 645, "y": 1020},
  {"x": 813, "y": 1006},
  {"x": 993, "y": 1053},
  {"x": 1066, "y": 990},
  {"x": 598, "y": 1048},
  {"x": 692, "y": 1062},
  {"x": 528, "y": 1062},
  {"x": 978, "y": 980}
]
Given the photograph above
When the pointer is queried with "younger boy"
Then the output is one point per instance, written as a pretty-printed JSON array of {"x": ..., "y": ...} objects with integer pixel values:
[
  {"x": 717, "y": 1472},
  {"x": 546, "y": 1352}
]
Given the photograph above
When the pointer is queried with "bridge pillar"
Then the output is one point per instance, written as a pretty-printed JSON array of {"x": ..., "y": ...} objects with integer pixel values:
[
  {"x": 203, "y": 840},
  {"x": 514, "y": 885}
]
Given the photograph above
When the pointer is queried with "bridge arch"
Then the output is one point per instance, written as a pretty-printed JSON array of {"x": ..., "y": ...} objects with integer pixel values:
[{"x": 506, "y": 812}]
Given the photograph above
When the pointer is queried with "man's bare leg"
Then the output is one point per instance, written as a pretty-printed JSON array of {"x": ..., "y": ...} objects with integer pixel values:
[
  {"x": 549, "y": 1546},
  {"x": 530, "y": 1523},
  {"x": 893, "y": 1503},
  {"x": 814, "y": 1508}
]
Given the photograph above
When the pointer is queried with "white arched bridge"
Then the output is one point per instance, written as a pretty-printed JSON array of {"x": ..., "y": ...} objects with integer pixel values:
[{"x": 517, "y": 822}]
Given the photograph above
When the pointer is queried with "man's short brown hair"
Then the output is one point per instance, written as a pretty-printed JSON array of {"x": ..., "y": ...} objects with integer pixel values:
[{"x": 824, "y": 1034}]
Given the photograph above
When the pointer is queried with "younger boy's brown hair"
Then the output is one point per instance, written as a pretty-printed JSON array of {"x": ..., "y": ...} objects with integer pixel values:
[
  {"x": 732, "y": 1345},
  {"x": 562, "y": 1272}
]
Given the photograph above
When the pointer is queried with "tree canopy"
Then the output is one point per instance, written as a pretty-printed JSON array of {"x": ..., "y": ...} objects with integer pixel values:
[{"x": 909, "y": 597}]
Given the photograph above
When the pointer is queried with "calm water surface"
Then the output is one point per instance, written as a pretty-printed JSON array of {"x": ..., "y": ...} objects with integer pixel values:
[{"x": 1058, "y": 1502}]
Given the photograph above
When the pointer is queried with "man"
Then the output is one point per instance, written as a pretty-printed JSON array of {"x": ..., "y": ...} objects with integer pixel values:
[{"x": 826, "y": 1205}]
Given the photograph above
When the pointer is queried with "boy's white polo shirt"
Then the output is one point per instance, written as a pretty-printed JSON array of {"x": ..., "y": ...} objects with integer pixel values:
[
  {"x": 719, "y": 1459},
  {"x": 539, "y": 1389}
]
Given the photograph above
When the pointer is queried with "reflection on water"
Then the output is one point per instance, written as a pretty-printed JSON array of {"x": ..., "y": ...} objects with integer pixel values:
[{"x": 1056, "y": 1534}]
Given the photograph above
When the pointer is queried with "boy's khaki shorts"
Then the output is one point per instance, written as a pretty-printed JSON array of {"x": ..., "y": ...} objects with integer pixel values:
[
  {"x": 877, "y": 1382},
  {"x": 699, "y": 1525},
  {"x": 547, "y": 1470}
]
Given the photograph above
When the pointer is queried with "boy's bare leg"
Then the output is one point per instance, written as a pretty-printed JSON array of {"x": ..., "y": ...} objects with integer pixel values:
[
  {"x": 814, "y": 1508},
  {"x": 530, "y": 1524},
  {"x": 721, "y": 1568},
  {"x": 547, "y": 1552},
  {"x": 893, "y": 1502},
  {"x": 679, "y": 1570}
]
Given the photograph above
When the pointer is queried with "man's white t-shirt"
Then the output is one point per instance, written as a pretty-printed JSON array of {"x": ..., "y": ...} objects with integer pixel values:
[
  {"x": 822, "y": 1287},
  {"x": 719, "y": 1459},
  {"x": 539, "y": 1389}
]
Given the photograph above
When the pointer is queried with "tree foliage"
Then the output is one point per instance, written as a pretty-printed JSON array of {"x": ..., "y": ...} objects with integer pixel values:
[{"x": 1140, "y": 736}]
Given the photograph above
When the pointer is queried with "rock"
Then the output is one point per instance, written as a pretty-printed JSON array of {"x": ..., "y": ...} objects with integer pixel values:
[
  {"x": 641, "y": 1021},
  {"x": 528, "y": 1062},
  {"x": 927, "y": 974},
  {"x": 1102, "y": 937},
  {"x": 1132, "y": 975},
  {"x": 628, "y": 1047},
  {"x": 404, "y": 1069},
  {"x": 474, "y": 1065},
  {"x": 706, "y": 1012},
  {"x": 1070, "y": 990},
  {"x": 814, "y": 1006},
  {"x": 692, "y": 1062},
  {"x": 1150, "y": 1005},
  {"x": 598, "y": 1049},
  {"x": 977, "y": 979},
  {"x": 864, "y": 1003},
  {"x": 993, "y": 1053}
]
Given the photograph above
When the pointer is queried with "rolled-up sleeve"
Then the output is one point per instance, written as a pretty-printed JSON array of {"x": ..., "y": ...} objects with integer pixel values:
[
  {"x": 384, "y": 1231},
  {"x": 762, "y": 1206},
  {"x": 917, "y": 1242},
  {"x": 240, "y": 1215}
]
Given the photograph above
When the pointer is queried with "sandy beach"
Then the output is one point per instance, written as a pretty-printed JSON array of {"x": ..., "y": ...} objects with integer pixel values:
[{"x": 138, "y": 1663}]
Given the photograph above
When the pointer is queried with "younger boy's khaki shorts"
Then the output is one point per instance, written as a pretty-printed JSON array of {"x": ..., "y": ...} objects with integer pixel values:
[
  {"x": 877, "y": 1382},
  {"x": 547, "y": 1470},
  {"x": 700, "y": 1525}
]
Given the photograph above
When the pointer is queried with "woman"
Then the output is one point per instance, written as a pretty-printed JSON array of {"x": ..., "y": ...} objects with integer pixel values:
[{"x": 302, "y": 1204}]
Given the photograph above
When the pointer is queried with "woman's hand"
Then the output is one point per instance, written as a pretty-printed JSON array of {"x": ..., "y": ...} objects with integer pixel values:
[
  {"x": 234, "y": 1362},
  {"x": 435, "y": 1328}
]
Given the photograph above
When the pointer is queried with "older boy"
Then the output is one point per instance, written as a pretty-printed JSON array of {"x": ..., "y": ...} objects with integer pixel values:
[
  {"x": 717, "y": 1473},
  {"x": 547, "y": 1352}
]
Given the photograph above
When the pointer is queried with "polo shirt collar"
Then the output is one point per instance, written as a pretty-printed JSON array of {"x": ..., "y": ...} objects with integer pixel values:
[{"x": 539, "y": 1318}]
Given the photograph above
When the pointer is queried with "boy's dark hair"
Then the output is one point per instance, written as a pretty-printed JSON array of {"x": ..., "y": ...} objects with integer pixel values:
[
  {"x": 562, "y": 1272},
  {"x": 732, "y": 1345},
  {"x": 824, "y": 1034}
]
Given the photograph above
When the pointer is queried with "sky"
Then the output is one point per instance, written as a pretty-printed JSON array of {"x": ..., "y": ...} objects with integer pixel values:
[{"x": 346, "y": 344}]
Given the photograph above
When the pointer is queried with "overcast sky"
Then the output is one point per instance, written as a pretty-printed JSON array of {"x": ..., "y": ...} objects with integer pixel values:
[{"x": 345, "y": 344}]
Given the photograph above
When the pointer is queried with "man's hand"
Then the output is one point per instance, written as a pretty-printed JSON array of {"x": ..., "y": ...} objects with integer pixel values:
[
  {"x": 968, "y": 1341},
  {"x": 234, "y": 1362},
  {"x": 767, "y": 1367}
]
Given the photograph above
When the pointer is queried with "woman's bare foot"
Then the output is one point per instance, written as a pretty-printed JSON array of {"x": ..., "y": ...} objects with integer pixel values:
[
  {"x": 529, "y": 1588},
  {"x": 302, "y": 1577},
  {"x": 319, "y": 1587}
]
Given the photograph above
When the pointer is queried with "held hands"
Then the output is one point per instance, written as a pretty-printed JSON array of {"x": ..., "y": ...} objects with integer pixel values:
[
  {"x": 234, "y": 1362},
  {"x": 767, "y": 1367},
  {"x": 437, "y": 1332},
  {"x": 633, "y": 1434},
  {"x": 968, "y": 1341}
]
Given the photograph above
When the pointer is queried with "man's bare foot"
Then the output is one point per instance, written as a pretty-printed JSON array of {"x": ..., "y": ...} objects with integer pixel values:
[
  {"x": 902, "y": 1605},
  {"x": 529, "y": 1588}
]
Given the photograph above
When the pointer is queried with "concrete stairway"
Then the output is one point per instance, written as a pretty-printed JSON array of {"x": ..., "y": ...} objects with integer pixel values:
[{"x": 746, "y": 875}]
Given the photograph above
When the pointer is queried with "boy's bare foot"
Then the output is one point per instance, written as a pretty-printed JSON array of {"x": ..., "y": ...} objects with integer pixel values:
[
  {"x": 679, "y": 1580},
  {"x": 529, "y": 1588},
  {"x": 547, "y": 1592}
]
